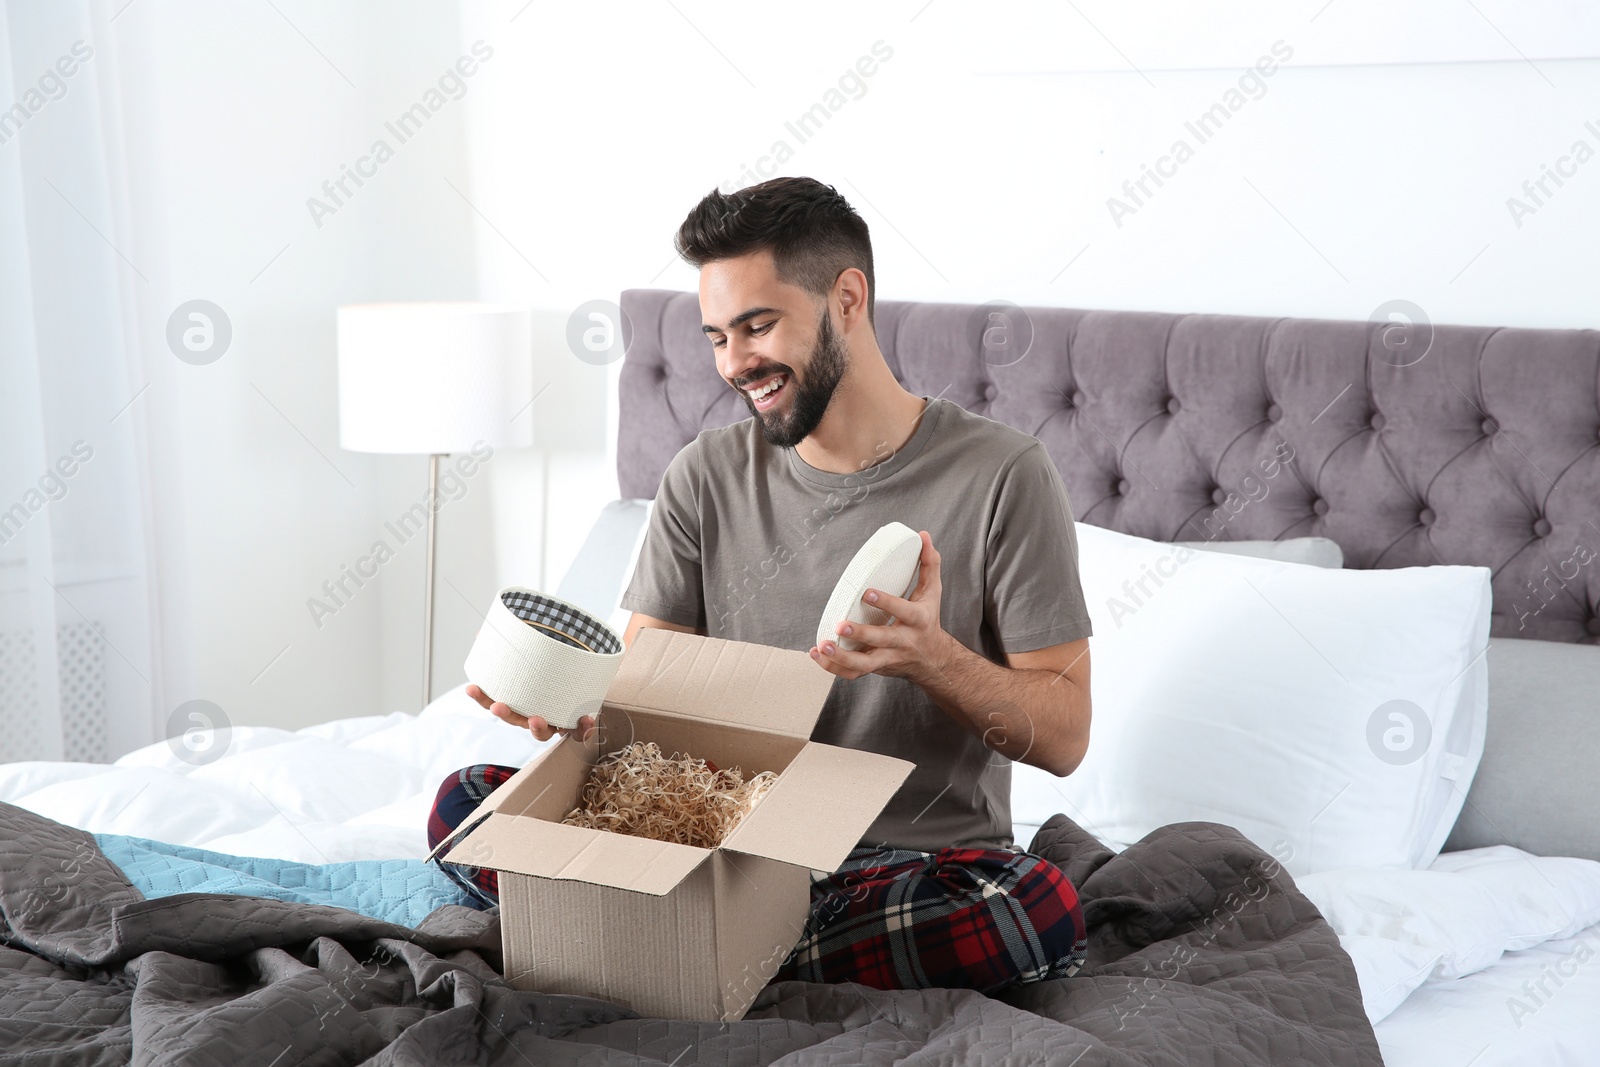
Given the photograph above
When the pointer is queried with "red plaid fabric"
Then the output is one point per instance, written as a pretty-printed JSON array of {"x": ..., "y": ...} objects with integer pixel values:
[
  {"x": 459, "y": 796},
  {"x": 959, "y": 918}
]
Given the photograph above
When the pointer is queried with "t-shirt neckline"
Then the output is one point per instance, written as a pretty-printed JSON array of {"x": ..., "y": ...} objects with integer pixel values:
[{"x": 928, "y": 424}]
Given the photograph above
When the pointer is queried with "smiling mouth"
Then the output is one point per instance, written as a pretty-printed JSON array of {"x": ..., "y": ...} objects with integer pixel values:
[{"x": 767, "y": 393}]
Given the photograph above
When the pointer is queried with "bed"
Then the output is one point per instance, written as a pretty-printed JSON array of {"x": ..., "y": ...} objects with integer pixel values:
[
  {"x": 1487, "y": 457},
  {"x": 1420, "y": 445}
]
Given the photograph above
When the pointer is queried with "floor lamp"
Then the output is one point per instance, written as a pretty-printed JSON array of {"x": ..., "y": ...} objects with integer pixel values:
[{"x": 434, "y": 379}]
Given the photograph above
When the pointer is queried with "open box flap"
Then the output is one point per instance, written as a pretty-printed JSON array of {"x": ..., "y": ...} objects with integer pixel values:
[
  {"x": 820, "y": 808},
  {"x": 716, "y": 680},
  {"x": 523, "y": 845}
]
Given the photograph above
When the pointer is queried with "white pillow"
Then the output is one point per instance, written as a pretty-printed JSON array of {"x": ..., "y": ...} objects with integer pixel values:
[
  {"x": 1316, "y": 551},
  {"x": 1335, "y": 717}
]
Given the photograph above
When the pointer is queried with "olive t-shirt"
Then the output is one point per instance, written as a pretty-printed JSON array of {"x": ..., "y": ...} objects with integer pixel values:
[{"x": 746, "y": 541}]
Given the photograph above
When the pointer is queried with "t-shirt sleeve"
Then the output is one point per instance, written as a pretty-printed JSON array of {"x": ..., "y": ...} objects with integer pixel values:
[
  {"x": 666, "y": 581},
  {"x": 1032, "y": 596}
]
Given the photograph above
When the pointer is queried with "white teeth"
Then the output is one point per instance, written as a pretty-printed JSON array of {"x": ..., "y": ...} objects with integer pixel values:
[{"x": 757, "y": 394}]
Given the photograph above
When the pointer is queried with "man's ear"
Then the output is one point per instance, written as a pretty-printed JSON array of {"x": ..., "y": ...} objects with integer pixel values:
[{"x": 850, "y": 293}]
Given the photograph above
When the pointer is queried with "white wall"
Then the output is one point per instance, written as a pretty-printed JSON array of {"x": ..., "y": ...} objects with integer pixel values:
[
  {"x": 235, "y": 116},
  {"x": 1376, "y": 165},
  {"x": 982, "y": 152}
]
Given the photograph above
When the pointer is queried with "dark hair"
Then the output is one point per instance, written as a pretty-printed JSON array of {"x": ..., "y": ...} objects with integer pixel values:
[{"x": 813, "y": 233}]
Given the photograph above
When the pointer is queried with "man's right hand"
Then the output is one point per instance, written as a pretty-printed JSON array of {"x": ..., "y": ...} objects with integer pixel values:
[{"x": 536, "y": 723}]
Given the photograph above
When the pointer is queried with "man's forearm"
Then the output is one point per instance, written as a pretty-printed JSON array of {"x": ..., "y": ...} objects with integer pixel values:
[{"x": 1035, "y": 716}]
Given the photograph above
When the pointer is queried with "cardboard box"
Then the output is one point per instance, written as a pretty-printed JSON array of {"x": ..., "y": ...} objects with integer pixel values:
[{"x": 669, "y": 930}]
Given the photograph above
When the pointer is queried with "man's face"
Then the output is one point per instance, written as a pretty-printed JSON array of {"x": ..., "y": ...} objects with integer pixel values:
[{"x": 773, "y": 344}]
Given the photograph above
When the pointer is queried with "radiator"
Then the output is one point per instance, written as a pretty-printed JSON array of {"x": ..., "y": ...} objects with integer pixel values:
[{"x": 82, "y": 678}]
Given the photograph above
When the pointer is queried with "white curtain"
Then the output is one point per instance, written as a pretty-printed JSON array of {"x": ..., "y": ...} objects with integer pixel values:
[{"x": 77, "y": 678}]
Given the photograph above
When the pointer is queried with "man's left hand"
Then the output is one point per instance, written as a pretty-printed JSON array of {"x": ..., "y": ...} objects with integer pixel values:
[{"x": 914, "y": 647}]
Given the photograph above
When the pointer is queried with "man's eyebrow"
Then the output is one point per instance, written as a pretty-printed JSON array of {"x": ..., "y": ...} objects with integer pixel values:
[{"x": 742, "y": 317}]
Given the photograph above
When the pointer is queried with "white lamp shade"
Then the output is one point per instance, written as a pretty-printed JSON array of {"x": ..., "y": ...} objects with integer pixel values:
[{"x": 435, "y": 377}]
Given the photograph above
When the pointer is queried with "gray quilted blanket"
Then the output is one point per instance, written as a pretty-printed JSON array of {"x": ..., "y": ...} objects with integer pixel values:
[{"x": 1202, "y": 952}]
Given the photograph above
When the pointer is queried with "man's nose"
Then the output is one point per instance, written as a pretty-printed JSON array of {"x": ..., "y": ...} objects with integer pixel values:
[{"x": 740, "y": 358}]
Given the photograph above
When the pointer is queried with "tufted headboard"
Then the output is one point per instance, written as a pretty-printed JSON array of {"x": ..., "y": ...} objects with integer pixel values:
[{"x": 1412, "y": 445}]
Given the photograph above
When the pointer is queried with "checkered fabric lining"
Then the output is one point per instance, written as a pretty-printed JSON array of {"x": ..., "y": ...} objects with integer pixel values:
[{"x": 571, "y": 622}]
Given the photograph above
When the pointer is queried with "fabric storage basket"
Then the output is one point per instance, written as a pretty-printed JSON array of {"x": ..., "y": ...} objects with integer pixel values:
[{"x": 544, "y": 656}]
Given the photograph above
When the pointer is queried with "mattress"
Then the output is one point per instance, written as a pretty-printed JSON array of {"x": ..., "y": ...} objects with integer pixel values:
[{"x": 1489, "y": 957}]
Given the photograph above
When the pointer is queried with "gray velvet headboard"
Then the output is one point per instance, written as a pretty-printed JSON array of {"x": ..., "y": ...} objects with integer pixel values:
[
  {"x": 1452, "y": 445},
  {"x": 1449, "y": 444}
]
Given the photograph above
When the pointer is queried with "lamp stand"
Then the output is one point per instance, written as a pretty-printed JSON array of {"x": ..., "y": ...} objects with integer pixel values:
[{"x": 427, "y": 599}]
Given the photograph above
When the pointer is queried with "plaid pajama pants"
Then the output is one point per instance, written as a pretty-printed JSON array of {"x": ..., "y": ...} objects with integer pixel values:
[
  {"x": 959, "y": 918},
  {"x": 459, "y": 796}
]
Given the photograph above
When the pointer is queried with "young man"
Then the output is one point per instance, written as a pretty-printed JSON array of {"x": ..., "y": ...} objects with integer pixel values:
[{"x": 987, "y": 661}]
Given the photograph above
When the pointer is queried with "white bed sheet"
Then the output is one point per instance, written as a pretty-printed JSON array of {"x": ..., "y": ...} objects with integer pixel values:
[
  {"x": 1489, "y": 957},
  {"x": 1539, "y": 1007},
  {"x": 352, "y": 789}
]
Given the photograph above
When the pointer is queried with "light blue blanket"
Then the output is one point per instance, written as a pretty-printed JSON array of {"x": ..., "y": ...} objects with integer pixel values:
[{"x": 397, "y": 891}]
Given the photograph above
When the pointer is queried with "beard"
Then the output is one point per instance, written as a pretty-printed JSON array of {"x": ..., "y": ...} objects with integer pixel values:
[{"x": 812, "y": 394}]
